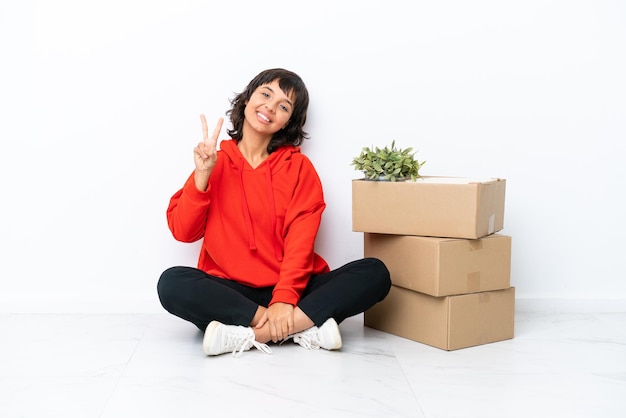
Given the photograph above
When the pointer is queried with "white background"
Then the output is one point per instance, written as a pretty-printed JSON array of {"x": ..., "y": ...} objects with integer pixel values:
[{"x": 99, "y": 105}]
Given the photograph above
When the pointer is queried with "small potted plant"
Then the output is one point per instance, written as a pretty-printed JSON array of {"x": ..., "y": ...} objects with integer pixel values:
[{"x": 388, "y": 163}]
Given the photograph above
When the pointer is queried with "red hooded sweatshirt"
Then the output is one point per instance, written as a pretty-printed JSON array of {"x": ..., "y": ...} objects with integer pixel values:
[{"x": 258, "y": 225}]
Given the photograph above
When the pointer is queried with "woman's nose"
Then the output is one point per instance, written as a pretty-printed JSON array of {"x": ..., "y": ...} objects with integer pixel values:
[{"x": 271, "y": 106}]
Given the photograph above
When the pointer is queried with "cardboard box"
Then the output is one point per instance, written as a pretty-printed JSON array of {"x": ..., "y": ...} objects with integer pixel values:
[
  {"x": 449, "y": 322},
  {"x": 448, "y": 207},
  {"x": 443, "y": 266}
]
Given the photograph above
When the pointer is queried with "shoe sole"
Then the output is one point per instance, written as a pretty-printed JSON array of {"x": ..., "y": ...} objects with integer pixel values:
[{"x": 208, "y": 335}]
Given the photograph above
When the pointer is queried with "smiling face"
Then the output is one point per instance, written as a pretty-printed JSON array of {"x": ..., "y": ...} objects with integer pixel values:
[{"x": 268, "y": 110}]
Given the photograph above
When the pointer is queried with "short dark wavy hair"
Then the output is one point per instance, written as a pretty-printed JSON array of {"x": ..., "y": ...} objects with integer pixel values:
[{"x": 289, "y": 82}]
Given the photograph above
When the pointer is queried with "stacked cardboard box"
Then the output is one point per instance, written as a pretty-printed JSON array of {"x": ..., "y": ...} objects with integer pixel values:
[{"x": 450, "y": 269}]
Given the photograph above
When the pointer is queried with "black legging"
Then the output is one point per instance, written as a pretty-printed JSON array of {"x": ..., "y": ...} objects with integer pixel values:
[{"x": 199, "y": 298}]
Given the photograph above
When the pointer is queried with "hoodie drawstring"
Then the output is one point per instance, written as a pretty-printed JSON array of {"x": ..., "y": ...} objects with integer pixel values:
[
  {"x": 270, "y": 192},
  {"x": 248, "y": 218},
  {"x": 246, "y": 210}
]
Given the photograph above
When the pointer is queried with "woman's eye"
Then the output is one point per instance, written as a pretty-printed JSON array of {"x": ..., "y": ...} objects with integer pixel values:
[
  {"x": 265, "y": 94},
  {"x": 285, "y": 108}
]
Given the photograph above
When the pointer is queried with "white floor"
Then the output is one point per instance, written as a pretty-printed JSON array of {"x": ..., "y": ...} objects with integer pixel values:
[{"x": 558, "y": 365}]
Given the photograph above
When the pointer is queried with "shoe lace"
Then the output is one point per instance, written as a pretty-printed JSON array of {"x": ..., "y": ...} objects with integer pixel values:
[
  {"x": 239, "y": 342},
  {"x": 261, "y": 346},
  {"x": 308, "y": 339}
]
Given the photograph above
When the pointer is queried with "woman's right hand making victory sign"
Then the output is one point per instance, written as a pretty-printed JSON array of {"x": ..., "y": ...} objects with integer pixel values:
[{"x": 205, "y": 153}]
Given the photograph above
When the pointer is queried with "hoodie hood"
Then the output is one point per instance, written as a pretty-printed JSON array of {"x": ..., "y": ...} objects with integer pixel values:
[{"x": 272, "y": 164}]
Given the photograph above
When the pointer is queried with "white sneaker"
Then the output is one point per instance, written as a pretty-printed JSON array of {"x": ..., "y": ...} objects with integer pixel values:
[
  {"x": 326, "y": 336},
  {"x": 220, "y": 338}
]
